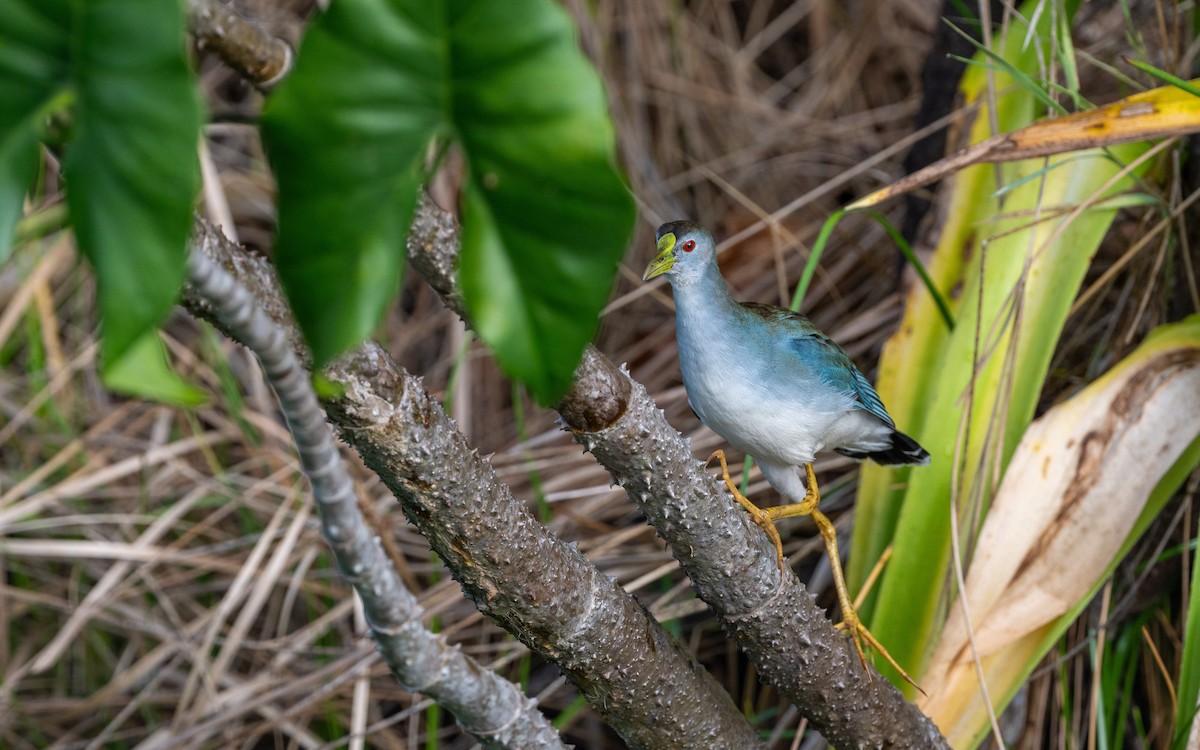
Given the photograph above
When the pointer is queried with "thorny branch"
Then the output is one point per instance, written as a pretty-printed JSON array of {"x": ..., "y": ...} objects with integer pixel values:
[
  {"x": 731, "y": 564},
  {"x": 489, "y": 707},
  {"x": 533, "y": 584}
]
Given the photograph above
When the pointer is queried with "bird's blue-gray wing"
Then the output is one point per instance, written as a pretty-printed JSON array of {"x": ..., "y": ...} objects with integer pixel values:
[
  {"x": 821, "y": 354},
  {"x": 835, "y": 367},
  {"x": 870, "y": 399}
]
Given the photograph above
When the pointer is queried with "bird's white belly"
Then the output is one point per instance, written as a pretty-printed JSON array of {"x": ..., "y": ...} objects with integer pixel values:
[{"x": 787, "y": 428}]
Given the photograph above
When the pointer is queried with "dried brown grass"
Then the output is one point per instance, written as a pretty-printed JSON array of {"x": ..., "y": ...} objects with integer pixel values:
[{"x": 163, "y": 577}]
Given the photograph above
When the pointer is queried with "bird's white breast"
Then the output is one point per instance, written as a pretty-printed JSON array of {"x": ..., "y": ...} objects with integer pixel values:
[{"x": 739, "y": 394}]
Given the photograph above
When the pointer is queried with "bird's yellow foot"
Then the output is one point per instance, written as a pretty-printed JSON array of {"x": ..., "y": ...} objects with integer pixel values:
[
  {"x": 766, "y": 518},
  {"x": 763, "y": 518},
  {"x": 850, "y": 622}
]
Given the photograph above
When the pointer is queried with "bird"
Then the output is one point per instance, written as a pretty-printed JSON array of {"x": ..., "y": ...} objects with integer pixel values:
[{"x": 775, "y": 387}]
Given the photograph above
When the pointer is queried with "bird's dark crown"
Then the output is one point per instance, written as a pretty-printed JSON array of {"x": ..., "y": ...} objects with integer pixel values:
[{"x": 680, "y": 228}]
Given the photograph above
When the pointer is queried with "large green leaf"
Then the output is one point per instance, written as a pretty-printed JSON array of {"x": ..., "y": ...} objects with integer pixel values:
[
  {"x": 552, "y": 215},
  {"x": 33, "y": 68},
  {"x": 346, "y": 133},
  {"x": 378, "y": 82},
  {"x": 131, "y": 162},
  {"x": 132, "y": 172}
]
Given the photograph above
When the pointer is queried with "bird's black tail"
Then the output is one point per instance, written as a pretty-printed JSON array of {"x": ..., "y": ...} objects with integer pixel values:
[{"x": 903, "y": 450}]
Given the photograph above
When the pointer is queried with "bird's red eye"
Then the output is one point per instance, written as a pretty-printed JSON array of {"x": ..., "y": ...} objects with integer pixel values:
[{"x": 689, "y": 245}]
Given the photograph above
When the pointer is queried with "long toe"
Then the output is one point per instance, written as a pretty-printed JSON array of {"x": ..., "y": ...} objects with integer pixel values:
[
  {"x": 860, "y": 630},
  {"x": 851, "y": 624},
  {"x": 765, "y": 521}
]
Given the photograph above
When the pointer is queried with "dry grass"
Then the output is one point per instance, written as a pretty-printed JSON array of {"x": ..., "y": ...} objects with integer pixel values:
[{"x": 164, "y": 581}]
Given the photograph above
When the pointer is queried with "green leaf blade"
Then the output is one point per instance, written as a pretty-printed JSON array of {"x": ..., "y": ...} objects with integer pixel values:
[
  {"x": 132, "y": 171},
  {"x": 533, "y": 121},
  {"x": 545, "y": 215},
  {"x": 18, "y": 166},
  {"x": 33, "y": 68},
  {"x": 346, "y": 133}
]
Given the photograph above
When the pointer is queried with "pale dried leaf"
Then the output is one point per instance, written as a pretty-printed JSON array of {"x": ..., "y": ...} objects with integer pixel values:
[{"x": 1075, "y": 487}]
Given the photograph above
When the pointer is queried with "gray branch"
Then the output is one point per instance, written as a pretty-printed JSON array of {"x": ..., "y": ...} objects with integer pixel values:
[
  {"x": 728, "y": 558},
  {"x": 491, "y": 709},
  {"x": 533, "y": 584}
]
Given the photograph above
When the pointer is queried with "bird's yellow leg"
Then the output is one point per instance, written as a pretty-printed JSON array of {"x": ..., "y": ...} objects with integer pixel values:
[
  {"x": 761, "y": 517},
  {"x": 808, "y": 507}
]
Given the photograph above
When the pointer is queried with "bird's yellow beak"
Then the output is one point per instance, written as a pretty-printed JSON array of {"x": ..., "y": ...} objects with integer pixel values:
[{"x": 665, "y": 258}]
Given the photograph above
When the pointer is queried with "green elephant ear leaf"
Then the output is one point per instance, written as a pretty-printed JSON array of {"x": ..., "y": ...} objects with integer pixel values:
[
  {"x": 132, "y": 171},
  {"x": 377, "y": 86},
  {"x": 346, "y": 133},
  {"x": 546, "y": 217},
  {"x": 131, "y": 168},
  {"x": 33, "y": 71}
]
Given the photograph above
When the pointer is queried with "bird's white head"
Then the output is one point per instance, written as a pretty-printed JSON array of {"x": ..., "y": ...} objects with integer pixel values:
[{"x": 685, "y": 251}]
